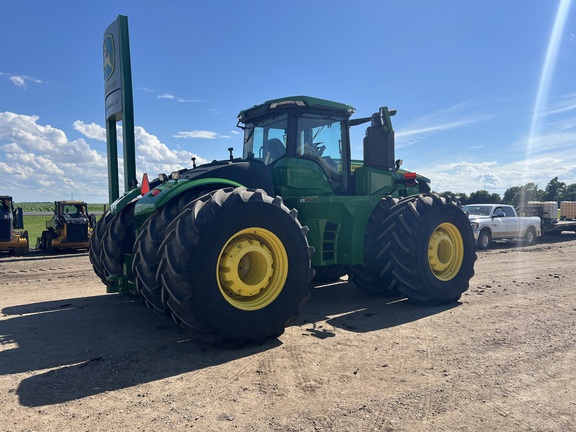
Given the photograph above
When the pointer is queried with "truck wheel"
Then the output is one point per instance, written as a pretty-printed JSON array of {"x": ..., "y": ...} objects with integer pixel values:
[
  {"x": 484, "y": 239},
  {"x": 432, "y": 248},
  {"x": 117, "y": 241},
  {"x": 95, "y": 245},
  {"x": 373, "y": 277},
  {"x": 530, "y": 237},
  {"x": 146, "y": 247},
  {"x": 235, "y": 267}
]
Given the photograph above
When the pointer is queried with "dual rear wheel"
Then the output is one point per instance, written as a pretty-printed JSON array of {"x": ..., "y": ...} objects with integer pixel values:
[{"x": 233, "y": 266}]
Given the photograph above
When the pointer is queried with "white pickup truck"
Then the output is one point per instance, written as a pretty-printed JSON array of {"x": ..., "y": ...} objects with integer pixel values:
[{"x": 500, "y": 222}]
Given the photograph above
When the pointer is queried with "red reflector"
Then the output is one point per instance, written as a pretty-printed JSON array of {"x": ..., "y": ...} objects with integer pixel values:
[
  {"x": 145, "y": 188},
  {"x": 410, "y": 176},
  {"x": 155, "y": 192}
]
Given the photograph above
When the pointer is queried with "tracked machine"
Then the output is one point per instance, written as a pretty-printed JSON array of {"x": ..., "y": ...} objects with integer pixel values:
[
  {"x": 13, "y": 237},
  {"x": 69, "y": 227}
]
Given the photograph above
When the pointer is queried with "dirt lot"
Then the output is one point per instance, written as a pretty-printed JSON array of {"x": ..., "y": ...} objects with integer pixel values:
[{"x": 73, "y": 358}]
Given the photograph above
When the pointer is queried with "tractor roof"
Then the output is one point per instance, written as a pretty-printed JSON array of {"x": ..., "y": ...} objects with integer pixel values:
[{"x": 304, "y": 103}]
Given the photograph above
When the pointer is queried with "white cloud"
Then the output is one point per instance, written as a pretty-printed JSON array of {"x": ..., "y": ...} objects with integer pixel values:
[
  {"x": 44, "y": 165},
  {"x": 18, "y": 81},
  {"x": 39, "y": 163},
  {"x": 23, "y": 80},
  {"x": 92, "y": 130},
  {"x": 176, "y": 98},
  {"x": 197, "y": 134}
]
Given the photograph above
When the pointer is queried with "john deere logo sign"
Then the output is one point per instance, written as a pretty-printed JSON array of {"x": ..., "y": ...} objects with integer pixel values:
[
  {"x": 109, "y": 57},
  {"x": 112, "y": 57}
]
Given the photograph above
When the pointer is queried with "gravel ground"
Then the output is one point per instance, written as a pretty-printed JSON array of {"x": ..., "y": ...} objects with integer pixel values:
[{"x": 73, "y": 358}]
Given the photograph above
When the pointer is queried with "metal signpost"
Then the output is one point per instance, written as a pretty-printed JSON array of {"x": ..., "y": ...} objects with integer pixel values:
[{"x": 119, "y": 104}]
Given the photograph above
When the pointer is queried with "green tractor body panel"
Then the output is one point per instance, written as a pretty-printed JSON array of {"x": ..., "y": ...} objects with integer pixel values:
[
  {"x": 300, "y": 178},
  {"x": 121, "y": 202},
  {"x": 337, "y": 225},
  {"x": 166, "y": 191}
]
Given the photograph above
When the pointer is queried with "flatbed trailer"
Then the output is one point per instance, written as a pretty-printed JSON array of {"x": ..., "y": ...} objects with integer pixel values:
[{"x": 547, "y": 225}]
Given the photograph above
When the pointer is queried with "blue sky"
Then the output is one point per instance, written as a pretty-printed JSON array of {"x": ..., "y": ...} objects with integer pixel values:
[{"x": 485, "y": 90}]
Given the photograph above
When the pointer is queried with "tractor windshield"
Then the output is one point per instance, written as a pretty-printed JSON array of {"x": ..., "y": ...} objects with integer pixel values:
[
  {"x": 266, "y": 140},
  {"x": 74, "y": 210}
]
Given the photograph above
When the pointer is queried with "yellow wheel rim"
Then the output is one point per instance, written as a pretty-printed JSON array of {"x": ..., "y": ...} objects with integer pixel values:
[
  {"x": 445, "y": 251},
  {"x": 252, "y": 269}
]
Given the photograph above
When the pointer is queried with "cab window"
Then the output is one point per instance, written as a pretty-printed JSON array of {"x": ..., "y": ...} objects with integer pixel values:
[
  {"x": 266, "y": 141},
  {"x": 320, "y": 139}
]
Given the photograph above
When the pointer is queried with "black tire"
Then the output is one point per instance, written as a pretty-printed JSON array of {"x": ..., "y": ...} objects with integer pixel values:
[
  {"x": 95, "y": 245},
  {"x": 530, "y": 237},
  {"x": 259, "y": 247},
  {"x": 432, "y": 248},
  {"x": 48, "y": 241},
  {"x": 484, "y": 239},
  {"x": 117, "y": 241},
  {"x": 43, "y": 241},
  {"x": 146, "y": 260},
  {"x": 376, "y": 276}
]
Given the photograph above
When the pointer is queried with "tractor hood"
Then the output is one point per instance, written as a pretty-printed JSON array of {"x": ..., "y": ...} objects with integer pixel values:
[{"x": 251, "y": 174}]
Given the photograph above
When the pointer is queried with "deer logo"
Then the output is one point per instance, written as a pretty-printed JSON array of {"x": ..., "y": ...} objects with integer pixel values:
[{"x": 109, "y": 56}]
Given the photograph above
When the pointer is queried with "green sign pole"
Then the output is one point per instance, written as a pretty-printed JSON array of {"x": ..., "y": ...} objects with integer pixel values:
[
  {"x": 128, "y": 116},
  {"x": 119, "y": 105},
  {"x": 112, "y": 147}
]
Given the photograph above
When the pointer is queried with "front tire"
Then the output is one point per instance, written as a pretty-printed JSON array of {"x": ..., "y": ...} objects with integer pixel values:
[
  {"x": 95, "y": 245},
  {"x": 117, "y": 241},
  {"x": 235, "y": 265},
  {"x": 146, "y": 260},
  {"x": 484, "y": 239},
  {"x": 432, "y": 248}
]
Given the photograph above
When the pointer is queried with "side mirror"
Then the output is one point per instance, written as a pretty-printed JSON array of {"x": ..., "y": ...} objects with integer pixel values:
[{"x": 499, "y": 214}]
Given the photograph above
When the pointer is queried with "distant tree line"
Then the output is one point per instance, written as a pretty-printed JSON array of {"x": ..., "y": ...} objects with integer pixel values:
[{"x": 555, "y": 191}]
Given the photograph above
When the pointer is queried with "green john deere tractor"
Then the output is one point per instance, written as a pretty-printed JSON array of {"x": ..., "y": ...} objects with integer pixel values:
[{"x": 229, "y": 249}]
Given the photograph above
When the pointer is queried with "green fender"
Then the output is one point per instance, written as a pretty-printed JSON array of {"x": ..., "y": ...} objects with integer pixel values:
[
  {"x": 121, "y": 202},
  {"x": 153, "y": 200}
]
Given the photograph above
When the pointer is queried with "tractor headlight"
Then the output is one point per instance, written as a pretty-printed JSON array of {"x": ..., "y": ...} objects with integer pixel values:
[
  {"x": 163, "y": 177},
  {"x": 474, "y": 225},
  {"x": 175, "y": 175}
]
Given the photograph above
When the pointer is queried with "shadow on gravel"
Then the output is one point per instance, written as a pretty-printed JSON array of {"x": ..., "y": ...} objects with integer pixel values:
[
  {"x": 353, "y": 309},
  {"x": 103, "y": 343},
  {"x": 98, "y": 344}
]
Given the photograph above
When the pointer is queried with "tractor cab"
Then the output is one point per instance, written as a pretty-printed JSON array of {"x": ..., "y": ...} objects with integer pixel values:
[{"x": 305, "y": 139}]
